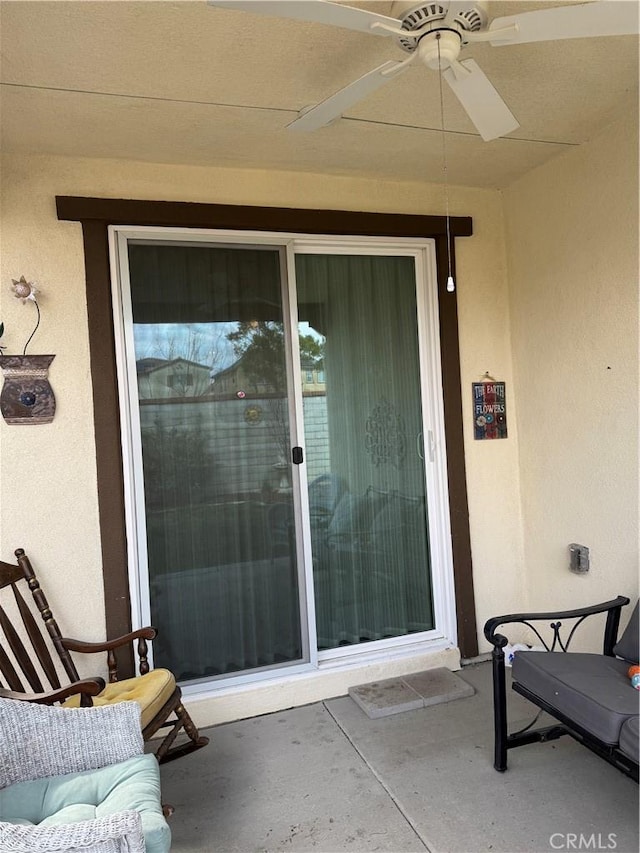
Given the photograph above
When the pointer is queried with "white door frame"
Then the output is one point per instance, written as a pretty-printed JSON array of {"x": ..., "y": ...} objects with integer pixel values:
[{"x": 444, "y": 635}]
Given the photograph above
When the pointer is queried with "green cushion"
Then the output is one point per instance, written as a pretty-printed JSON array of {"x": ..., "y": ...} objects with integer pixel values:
[
  {"x": 73, "y": 813},
  {"x": 131, "y": 784}
]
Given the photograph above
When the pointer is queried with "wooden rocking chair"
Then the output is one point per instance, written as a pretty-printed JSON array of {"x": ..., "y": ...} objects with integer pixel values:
[{"x": 156, "y": 691}]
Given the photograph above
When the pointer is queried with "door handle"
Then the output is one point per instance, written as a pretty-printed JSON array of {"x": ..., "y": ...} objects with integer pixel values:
[
  {"x": 432, "y": 446},
  {"x": 297, "y": 455}
]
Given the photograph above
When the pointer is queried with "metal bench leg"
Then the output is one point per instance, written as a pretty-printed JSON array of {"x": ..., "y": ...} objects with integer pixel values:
[{"x": 499, "y": 710}]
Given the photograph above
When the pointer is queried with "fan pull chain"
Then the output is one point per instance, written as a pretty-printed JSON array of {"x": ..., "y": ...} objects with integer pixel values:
[{"x": 451, "y": 285}]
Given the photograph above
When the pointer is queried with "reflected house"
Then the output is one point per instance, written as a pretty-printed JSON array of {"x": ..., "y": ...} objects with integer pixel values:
[
  {"x": 313, "y": 380},
  {"x": 235, "y": 379},
  {"x": 160, "y": 378}
]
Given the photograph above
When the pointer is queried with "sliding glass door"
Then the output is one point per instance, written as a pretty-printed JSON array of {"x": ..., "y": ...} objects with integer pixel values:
[
  {"x": 211, "y": 371},
  {"x": 364, "y": 443},
  {"x": 276, "y": 398}
]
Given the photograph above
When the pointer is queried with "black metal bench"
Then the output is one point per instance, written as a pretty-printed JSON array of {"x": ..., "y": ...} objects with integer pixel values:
[{"x": 590, "y": 695}]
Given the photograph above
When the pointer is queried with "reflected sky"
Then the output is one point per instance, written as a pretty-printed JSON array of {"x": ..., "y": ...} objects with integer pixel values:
[{"x": 203, "y": 343}]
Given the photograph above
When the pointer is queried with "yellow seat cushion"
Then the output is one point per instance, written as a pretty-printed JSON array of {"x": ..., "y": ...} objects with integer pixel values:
[{"x": 150, "y": 691}]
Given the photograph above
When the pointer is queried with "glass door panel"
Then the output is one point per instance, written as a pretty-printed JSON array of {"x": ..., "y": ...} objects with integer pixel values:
[
  {"x": 214, "y": 418},
  {"x": 364, "y": 447}
]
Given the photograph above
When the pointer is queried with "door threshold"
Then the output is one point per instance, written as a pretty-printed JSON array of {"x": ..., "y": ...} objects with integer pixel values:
[{"x": 216, "y": 702}]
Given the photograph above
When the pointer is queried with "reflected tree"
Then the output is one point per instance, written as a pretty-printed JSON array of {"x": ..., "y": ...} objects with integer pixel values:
[{"x": 260, "y": 346}]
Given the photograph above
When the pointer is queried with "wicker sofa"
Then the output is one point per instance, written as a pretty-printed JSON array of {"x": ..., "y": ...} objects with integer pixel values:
[{"x": 76, "y": 779}]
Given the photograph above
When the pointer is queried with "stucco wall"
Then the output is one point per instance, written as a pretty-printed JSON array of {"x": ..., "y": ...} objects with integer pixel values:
[
  {"x": 48, "y": 483},
  {"x": 572, "y": 236}
]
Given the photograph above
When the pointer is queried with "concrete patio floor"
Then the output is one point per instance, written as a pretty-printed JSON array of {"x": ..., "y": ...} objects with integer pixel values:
[{"x": 327, "y": 778}]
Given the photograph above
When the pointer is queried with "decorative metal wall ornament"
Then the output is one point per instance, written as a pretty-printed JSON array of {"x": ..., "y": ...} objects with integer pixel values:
[
  {"x": 27, "y": 397},
  {"x": 386, "y": 436},
  {"x": 26, "y": 291}
]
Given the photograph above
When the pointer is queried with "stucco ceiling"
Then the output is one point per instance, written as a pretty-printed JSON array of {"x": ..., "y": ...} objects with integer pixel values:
[{"x": 181, "y": 82}]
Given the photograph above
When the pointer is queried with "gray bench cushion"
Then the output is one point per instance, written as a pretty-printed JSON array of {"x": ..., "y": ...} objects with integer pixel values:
[
  {"x": 592, "y": 690},
  {"x": 630, "y": 738}
]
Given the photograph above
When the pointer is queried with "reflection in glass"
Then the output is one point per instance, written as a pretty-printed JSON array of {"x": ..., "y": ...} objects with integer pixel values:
[
  {"x": 364, "y": 449},
  {"x": 210, "y": 359}
]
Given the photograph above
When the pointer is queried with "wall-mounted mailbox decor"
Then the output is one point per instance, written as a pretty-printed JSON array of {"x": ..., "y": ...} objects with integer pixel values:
[
  {"x": 27, "y": 397},
  {"x": 489, "y": 410}
]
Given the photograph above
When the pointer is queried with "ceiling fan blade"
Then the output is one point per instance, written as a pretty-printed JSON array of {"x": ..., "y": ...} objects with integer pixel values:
[
  {"x": 600, "y": 18},
  {"x": 334, "y": 106},
  {"x": 484, "y": 106},
  {"x": 315, "y": 11}
]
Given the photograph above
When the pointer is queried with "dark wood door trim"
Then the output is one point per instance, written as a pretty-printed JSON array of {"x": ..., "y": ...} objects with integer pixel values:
[
  {"x": 456, "y": 470},
  {"x": 96, "y": 214},
  {"x": 243, "y": 218}
]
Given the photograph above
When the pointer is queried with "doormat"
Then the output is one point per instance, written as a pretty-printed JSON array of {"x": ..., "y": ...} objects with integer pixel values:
[{"x": 410, "y": 692}]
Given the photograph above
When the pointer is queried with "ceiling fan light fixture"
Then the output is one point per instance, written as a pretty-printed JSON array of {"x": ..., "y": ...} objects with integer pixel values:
[{"x": 440, "y": 49}]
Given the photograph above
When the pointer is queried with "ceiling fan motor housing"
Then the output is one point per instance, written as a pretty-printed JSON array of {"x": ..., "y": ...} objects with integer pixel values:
[
  {"x": 415, "y": 17},
  {"x": 439, "y": 49}
]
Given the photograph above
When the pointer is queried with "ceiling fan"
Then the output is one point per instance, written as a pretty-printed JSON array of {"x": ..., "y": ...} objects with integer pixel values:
[{"x": 436, "y": 33}]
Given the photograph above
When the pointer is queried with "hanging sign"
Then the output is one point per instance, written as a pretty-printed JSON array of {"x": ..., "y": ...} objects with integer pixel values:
[{"x": 489, "y": 410}]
